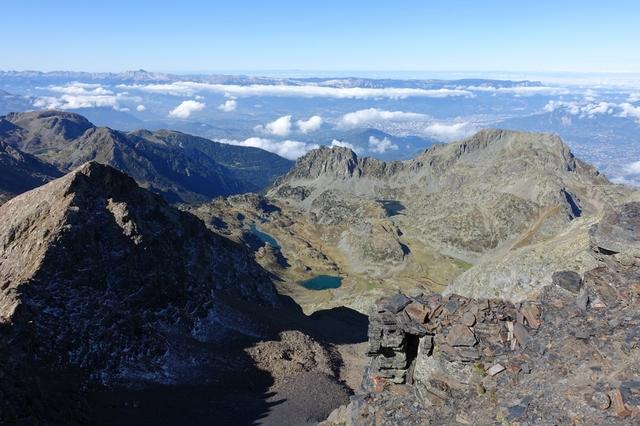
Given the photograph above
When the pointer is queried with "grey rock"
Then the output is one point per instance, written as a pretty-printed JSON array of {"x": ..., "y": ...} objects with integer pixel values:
[
  {"x": 468, "y": 319},
  {"x": 582, "y": 299},
  {"x": 397, "y": 303},
  {"x": 568, "y": 280},
  {"x": 619, "y": 230}
]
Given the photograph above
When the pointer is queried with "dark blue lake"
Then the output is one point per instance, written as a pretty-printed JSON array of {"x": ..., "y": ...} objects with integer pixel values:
[
  {"x": 392, "y": 207},
  {"x": 322, "y": 282},
  {"x": 264, "y": 237}
]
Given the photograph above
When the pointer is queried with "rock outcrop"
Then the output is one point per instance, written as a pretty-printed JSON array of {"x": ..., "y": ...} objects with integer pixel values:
[{"x": 568, "y": 356}]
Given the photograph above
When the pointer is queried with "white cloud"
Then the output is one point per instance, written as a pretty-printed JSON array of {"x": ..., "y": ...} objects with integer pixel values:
[
  {"x": 77, "y": 88},
  {"x": 449, "y": 132},
  {"x": 76, "y": 95},
  {"x": 634, "y": 97},
  {"x": 228, "y": 106},
  {"x": 186, "y": 108},
  {"x": 630, "y": 111},
  {"x": 381, "y": 145},
  {"x": 621, "y": 180},
  {"x": 344, "y": 144},
  {"x": 141, "y": 108},
  {"x": 288, "y": 148},
  {"x": 278, "y": 127},
  {"x": 582, "y": 109},
  {"x": 632, "y": 168},
  {"x": 189, "y": 88},
  {"x": 520, "y": 90},
  {"x": 76, "y": 102},
  {"x": 310, "y": 125},
  {"x": 371, "y": 116},
  {"x": 402, "y": 123}
]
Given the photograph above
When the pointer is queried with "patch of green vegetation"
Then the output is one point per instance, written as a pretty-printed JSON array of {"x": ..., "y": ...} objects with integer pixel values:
[
  {"x": 478, "y": 368},
  {"x": 461, "y": 263}
]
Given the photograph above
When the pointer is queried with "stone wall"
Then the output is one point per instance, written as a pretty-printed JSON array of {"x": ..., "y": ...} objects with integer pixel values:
[{"x": 405, "y": 332}]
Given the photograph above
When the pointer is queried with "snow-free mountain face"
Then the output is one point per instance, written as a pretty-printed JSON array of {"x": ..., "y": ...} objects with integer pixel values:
[
  {"x": 181, "y": 167},
  {"x": 22, "y": 172}
]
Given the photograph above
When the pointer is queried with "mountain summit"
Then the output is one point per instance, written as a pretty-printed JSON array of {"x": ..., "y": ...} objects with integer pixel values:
[{"x": 110, "y": 276}]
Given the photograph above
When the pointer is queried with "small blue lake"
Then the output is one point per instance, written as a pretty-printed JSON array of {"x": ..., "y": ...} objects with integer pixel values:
[
  {"x": 322, "y": 282},
  {"x": 264, "y": 237},
  {"x": 392, "y": 207}
]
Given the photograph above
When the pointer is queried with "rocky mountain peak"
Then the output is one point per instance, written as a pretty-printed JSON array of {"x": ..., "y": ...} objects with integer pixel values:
[
  {"x": 93, "y": 241},
  {"x": 65, "y": 124},
  {"x": 336, "y": 161},
  {"x": 525, "y": 150}
]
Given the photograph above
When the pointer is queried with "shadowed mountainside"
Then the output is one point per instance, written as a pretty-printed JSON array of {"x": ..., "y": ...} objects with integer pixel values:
[{"x": 21, "y": 172}]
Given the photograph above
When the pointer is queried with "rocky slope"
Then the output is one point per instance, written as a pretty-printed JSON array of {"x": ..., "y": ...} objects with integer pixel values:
[
  {"x": 493, "y": 215},
  {"x": 178, "y": 166},
  {"x": 21, "y": 172},
  {"x": 568, "y": 356},
  {"x": 90, "y": 242},
  {"x": 110, "y": 297},
  {"x": 466, "y": 197}
]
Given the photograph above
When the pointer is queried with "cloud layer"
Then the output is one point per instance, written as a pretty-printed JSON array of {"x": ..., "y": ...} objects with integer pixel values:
[
  {"x": 520, "y": 90},
  {"x": 371, "y": 116},
  {"x": 447, "y": 132},
  {"x": 591, "y": 109},
  {"x": 289, "y": 149},
  {"x": 190, "y": 88},
  {"x": 76, "y": 95},
  {"x": 405, "y": 123}
]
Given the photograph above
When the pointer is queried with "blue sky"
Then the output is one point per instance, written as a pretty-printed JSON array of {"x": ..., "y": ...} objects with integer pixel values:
[{"x": 575, "y": 36}]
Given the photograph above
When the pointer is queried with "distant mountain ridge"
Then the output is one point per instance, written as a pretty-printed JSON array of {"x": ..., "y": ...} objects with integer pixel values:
[
  {"x": 181, "y": 167},
  {"x": 143, "y": 76}
]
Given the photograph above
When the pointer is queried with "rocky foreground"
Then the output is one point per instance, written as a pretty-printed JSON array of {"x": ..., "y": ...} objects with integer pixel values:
[{"x": 568, "y": 356}]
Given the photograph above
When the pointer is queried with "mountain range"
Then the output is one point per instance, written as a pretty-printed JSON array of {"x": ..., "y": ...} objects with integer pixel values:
[{"x": 181, "y": 167}]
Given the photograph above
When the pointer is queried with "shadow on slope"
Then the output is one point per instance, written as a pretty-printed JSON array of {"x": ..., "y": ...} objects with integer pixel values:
[{"x": 239, "y": 393}]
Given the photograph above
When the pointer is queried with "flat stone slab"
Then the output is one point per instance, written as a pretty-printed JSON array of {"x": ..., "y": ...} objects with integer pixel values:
[
  {"x": 568, "y": 280},
  {"x": 397, "y": 303},
  {"x": 619, "y": 230}
]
